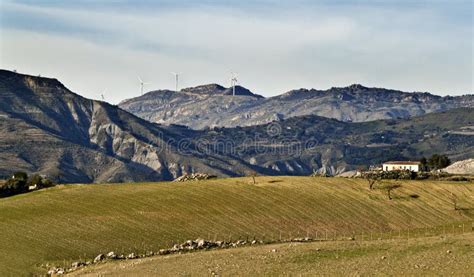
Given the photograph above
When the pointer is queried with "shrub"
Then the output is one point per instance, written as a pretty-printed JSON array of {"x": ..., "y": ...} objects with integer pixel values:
[
  {"x": 19, "y": 183},
  {"x": 15, "y": 185},
  {"x": 39, "y": 181}
]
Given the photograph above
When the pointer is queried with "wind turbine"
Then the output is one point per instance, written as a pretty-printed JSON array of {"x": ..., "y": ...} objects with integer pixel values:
[
  {"x": 102, "y": 94},
  {"x": 142, "y": 84},
  {"x": 176, "y": 79},
  {"x": 233, "y": 82}
]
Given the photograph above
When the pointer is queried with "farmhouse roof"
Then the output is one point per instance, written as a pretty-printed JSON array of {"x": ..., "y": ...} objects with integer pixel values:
[{"x": 402, "y": 162}]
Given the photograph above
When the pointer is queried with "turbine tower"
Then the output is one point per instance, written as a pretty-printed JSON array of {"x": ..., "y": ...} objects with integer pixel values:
[
  {"x": 176, "y": 79},
  {"x": 102, "y": 94},
  {"x": 142, "y": 84},
  {"x": 233, "y": 82}
]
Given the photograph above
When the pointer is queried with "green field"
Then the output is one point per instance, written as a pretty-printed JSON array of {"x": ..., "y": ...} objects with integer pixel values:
[
  {"x": 67, "y": 223},
  {"x": 434, "y": 256}
]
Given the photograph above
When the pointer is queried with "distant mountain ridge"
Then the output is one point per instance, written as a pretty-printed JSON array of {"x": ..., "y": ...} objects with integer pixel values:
[
  {"x": 212, "y": 105},
  {"x": 47, "y": 129}
]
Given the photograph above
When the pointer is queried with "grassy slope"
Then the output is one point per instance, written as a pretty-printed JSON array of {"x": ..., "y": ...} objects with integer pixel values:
[
  {"x": 422, "y": 256},
  {"x": 70, "y": 222}
]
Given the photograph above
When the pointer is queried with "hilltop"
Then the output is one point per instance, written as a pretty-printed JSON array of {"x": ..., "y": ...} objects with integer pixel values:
[{"x": 213, "y": 105}]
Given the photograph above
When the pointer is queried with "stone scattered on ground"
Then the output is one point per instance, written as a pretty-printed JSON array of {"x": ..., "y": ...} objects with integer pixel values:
[
  {"x": 189, "y": 245},
  {"x": 194, "y": 177}
]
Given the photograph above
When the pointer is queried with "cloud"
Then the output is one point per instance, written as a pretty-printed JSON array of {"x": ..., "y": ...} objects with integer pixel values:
[{"x": 90, "y": 46}]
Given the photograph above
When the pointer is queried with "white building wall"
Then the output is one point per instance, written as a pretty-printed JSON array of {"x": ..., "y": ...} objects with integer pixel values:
[{"x": 392, "y": 167}]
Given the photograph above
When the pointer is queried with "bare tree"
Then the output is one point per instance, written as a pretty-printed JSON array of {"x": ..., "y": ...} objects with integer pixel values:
[
  {"x": 454, "y": 201},
  {"x": 389, "y": 188},
  {"x": 372, "y": 179},
  {"x": 254, "y": 175}
]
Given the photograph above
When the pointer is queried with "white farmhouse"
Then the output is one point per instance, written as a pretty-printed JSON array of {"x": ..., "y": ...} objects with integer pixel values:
[{"x": 402, "y": 165}]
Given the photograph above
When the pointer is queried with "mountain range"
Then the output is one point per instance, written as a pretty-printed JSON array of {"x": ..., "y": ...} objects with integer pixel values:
[
  {"x": 45, "y": 128},
  {"x": 213, "y": 105}
]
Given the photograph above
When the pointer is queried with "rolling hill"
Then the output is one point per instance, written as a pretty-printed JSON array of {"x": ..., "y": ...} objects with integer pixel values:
[
  {"x": 213, "y": 105},
  {"x": 59, "y": 225}
]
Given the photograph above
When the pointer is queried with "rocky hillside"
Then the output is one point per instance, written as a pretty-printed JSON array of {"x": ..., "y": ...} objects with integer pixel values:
[
  {"x": 213, "y": 105},
  {"x": 461, "y": 167},
  {"x": 48, "y": 129},
  {"x": 301, "y": 145},
  {"x": 198, "y": 107}
]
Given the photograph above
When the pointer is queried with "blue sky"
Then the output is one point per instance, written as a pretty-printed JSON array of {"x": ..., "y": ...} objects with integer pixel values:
[{"x": 274, "y": 46}]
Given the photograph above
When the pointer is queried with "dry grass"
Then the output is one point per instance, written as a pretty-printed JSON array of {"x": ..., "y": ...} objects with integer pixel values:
[
  {"x": 66, "y": 223},
  {"x": 423, "y": 256}
]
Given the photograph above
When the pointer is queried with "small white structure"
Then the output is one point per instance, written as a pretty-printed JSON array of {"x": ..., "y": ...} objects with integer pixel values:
[{"x": 402, "y": 165}]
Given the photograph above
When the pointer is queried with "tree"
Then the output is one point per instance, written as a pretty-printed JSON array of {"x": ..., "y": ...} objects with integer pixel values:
[
  {"x": 389, "y": 187},
  {"x": 254, "y": 175},
  {"x": 454, "y": 201},
  {"x": 372, "y": 179},
  {"x": 15, "y": 185},
  {"x": 35, "y": 180},
  {"x": 438, "y": 161},
  {"x": 423, "y": 161},
  {"x": 19, "y": 175},
  {"x": 39, "y": 181}
]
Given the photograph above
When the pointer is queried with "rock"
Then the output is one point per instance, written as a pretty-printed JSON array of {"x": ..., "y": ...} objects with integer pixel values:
[
  {"x": 131, "y": 256},
  {"x": 176, "y": 248},
  {"x": 164, "y": 252},
  {"x": 448, "y": 252},
  {"x": 274, "y": 250},
  {"x": 149, "y": 253},
  {"x": 254, "y": 242},
  {"x": 77, "y": 264},
  {"x": 200, "y": 243},
  {"x": 194, "y": 177},
  {"x": 383, "y": 257},
  {"x": 111, "y": 255},
  {"x": 99, "y": 258}
]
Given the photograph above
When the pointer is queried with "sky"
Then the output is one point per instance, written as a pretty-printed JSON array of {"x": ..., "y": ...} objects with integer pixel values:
[{"x": 96, "y": 47}]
